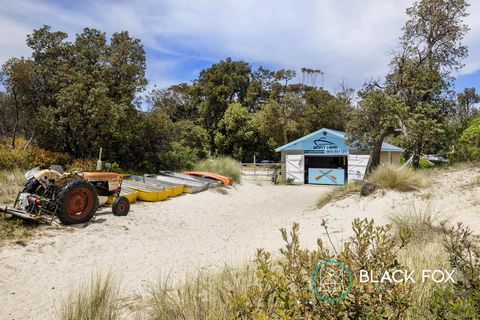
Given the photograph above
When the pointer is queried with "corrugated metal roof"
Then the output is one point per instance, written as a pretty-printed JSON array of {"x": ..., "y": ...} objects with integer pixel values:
[{"x": 385, "y": 146}]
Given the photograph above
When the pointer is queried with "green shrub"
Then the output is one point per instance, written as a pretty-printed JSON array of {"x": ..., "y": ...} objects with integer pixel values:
[
  {"x": 425, "y": 164},
  {"x": 179, "y": 157},
  {"x": 460, "y": 300},
  {"x": 222, "y": 165},
  {"x": 32, "y": 157},
  {"x": 281, "y": 288},
  {"x": 468, "y": 146},
  {"x": 99, "y": 299},
  {"x": 84, "y": 164},
  {"x": 388, "y": 176}
]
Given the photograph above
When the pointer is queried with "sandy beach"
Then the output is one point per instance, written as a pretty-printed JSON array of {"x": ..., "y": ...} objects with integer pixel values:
[
  {"x": 201, "y": 232},
  {"x": 170, "y": 238}
]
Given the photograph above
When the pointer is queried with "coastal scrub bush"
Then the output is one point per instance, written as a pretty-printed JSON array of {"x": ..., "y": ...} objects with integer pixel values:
[
  {"x": 284, "y": 287},
  {"x": 280, "y": 288},
  {"x": 11, "y": 159},
  {"x": 460, "y": 300}
]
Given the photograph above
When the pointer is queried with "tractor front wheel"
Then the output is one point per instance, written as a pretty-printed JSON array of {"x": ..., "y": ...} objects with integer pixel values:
[
  {"x": 121, "y": 206},
  {"x": 77, "y": 202}
]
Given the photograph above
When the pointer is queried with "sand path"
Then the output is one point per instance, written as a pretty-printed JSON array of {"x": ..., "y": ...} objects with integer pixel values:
[{"x": 184, "y": 234}]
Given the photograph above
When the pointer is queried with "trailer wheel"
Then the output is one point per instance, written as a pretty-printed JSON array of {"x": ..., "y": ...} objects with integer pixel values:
[
  {"x": 121, "y": 206},
  {"x": 77, "y": 202}
]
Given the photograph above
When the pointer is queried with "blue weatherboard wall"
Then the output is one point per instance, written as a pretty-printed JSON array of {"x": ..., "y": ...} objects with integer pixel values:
[
  {"x": 326, "y": 176},
  {"x": 325, "y": 141}
]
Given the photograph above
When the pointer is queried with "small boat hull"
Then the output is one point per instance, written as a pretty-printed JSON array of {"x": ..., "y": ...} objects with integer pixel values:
[
  {"x": 130, "y": 194},
  {"x": 227, "y": 181},
  {"x": 191, "y": 185}
]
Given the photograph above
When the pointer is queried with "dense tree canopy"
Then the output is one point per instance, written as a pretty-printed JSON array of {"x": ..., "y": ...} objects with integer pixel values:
[{"x": 77, "y": 96}]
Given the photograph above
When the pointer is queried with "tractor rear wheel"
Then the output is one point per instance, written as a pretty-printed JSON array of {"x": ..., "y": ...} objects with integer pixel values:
[
  {"x": 77, "y": 202},
  {"x": 121, "y": 206}
]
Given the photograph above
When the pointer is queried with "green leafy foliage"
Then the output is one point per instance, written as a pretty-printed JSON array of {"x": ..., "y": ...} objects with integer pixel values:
[
  {"x": 460, "y": 300},
  {"x": 469, "y": 142},
  {"x": 378, "y": 115}
]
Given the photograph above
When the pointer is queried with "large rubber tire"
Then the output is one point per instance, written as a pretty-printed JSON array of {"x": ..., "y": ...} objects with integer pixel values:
[
  {"x": 121, "y": 206},
  {"x": 77, "y": 202}
]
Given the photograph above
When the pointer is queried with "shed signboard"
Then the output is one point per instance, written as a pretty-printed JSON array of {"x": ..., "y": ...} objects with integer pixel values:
[{"x": 325, "y": 144}]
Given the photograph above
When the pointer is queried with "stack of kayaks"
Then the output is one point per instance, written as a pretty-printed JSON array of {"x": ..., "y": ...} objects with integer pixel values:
[
  {"x": 211, "y": 182},
  {"x": 175, "y": 189},
  {"x": 191, "y": 185},
  {"x": 158, "y": 187},
  {"x": 130, "y": 194},
  {"x": 147, "y": 192}
]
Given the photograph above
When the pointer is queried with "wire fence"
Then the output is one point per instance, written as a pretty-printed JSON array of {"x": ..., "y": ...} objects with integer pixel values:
[{"x": 259, "y": 171}]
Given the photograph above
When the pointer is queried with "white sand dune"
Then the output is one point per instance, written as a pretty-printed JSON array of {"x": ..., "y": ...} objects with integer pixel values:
[{"x": 200, "y": 232}]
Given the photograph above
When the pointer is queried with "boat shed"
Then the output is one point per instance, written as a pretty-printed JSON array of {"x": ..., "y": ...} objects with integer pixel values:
[{"x": 324, "y": 157}]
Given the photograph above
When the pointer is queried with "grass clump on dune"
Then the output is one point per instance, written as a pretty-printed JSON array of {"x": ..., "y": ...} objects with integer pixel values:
[
  {"x": 225, "y": 166},
  {"x": 424, "y": 251},
  {"x": 201, "y": 296},
  {"x": 11, "y": 182},
  {"x": 12, "y": 229},
  {"x": 98, "y": 299},
  {"x": 391, "y": 177}
]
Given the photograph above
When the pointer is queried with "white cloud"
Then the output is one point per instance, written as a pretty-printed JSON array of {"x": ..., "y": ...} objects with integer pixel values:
[{"x": 349, "y": 40}]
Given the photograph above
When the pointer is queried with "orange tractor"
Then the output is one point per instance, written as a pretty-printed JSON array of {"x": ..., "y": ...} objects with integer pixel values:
[{"x": 72, "y": 197}]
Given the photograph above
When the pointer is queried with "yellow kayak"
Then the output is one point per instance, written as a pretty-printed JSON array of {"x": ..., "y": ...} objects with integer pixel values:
[{"x": 147, "y": 192}]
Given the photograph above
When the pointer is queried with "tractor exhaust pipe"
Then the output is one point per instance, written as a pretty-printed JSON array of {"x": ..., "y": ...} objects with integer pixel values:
[{"x": 99, "y": 162}]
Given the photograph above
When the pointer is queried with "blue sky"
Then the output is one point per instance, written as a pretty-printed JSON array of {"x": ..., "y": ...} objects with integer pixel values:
[{"x": 349, "y": 40}]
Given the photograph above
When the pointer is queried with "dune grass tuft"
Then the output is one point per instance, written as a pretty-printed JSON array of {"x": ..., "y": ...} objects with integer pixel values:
[
  {"x": 391, "y": 177},
  {"x": 222, "y": 165},
  {"x": 97, "y": 299},
  {"x": 339, "y": 193},
  {"x": 424, "y": 251},
  {"x": 12, "y": 229},
  {"x": 421, "y": 220},
  {"x": 200, "y": 296},
  {"x": 11, "y": 182}
]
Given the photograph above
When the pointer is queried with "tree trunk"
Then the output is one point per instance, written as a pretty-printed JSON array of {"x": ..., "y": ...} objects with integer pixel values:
[
  {"x": 29, "y": 141},
  {"x": 285, "y": 137},
  {"x": 15, "y": 127},
  {"x": 374, "y": 160},
  {"x": 416, "y": 157}
]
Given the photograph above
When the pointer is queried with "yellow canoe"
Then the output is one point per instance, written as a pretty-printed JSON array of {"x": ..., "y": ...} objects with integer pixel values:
[{"x": 148, "y": 192}]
